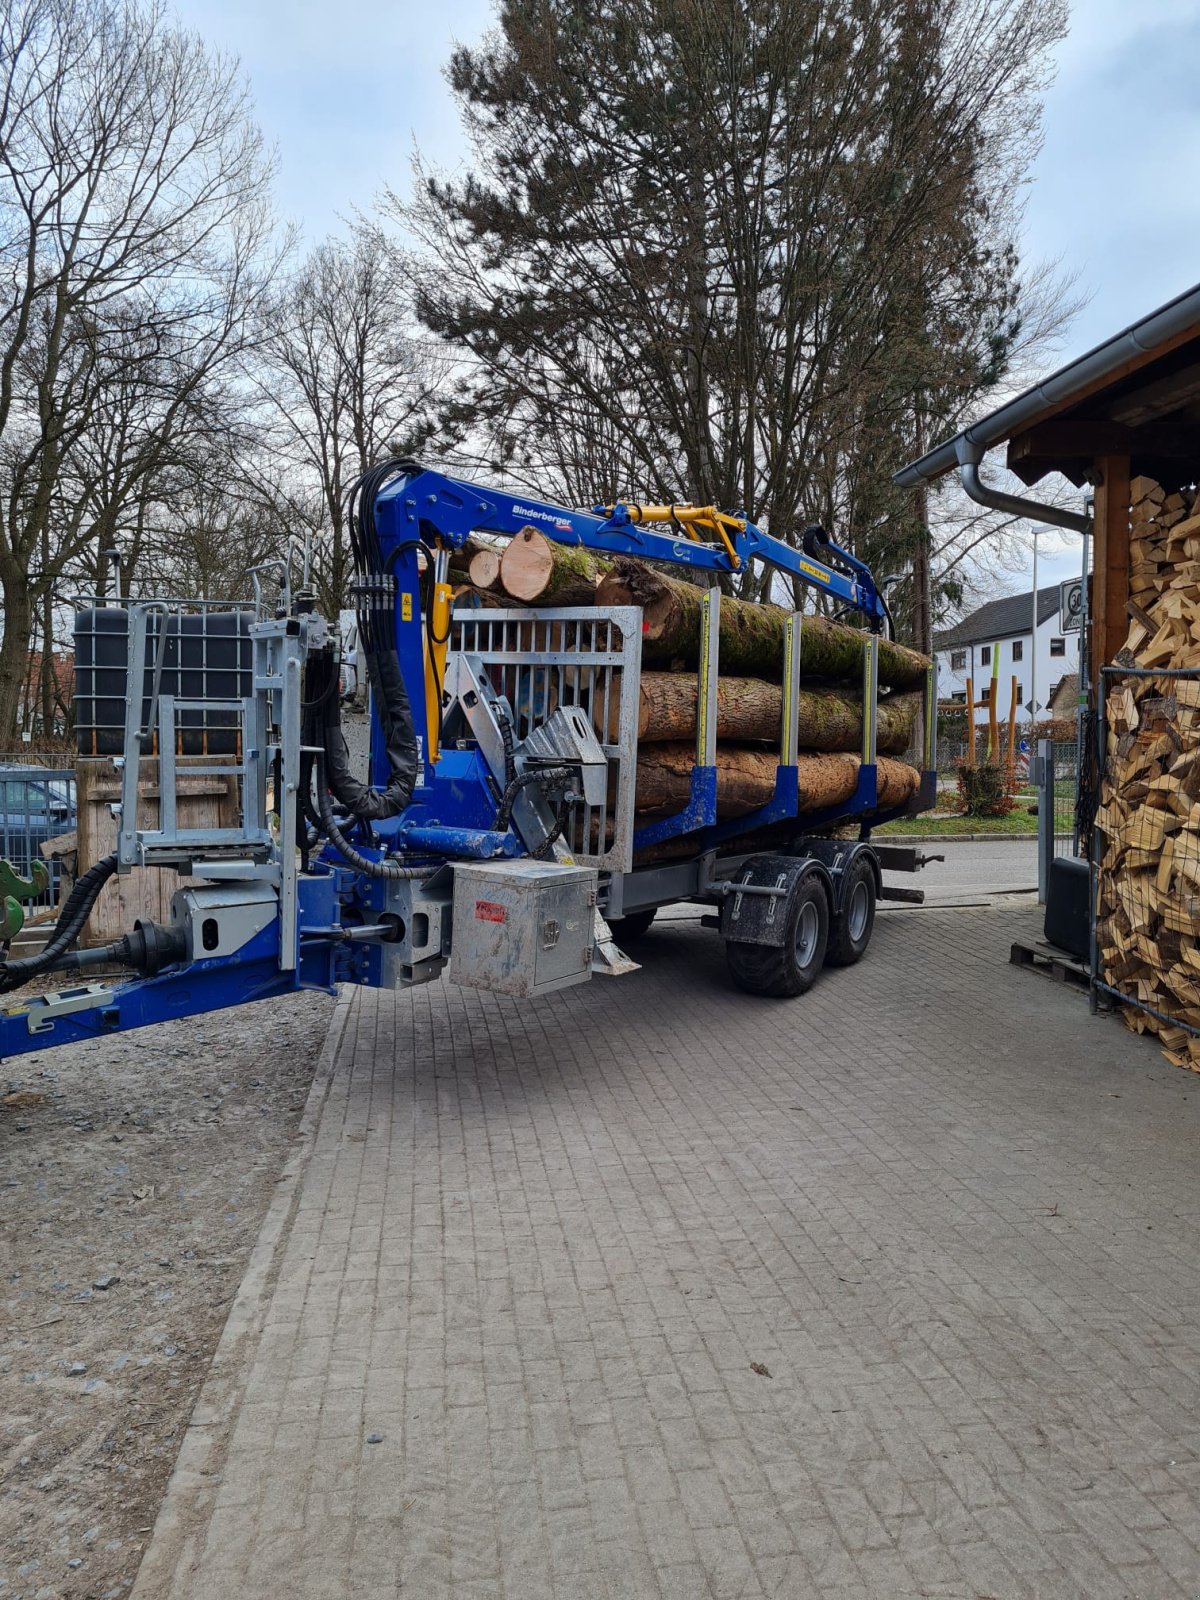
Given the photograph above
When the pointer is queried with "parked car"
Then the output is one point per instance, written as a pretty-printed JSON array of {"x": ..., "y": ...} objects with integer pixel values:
[{"x": 36, "y": 806}]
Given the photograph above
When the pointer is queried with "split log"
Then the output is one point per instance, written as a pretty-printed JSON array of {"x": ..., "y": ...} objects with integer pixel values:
[
  {"x": 751, "y": 635},
  {"x": 746, "y": 779},
  {"x": 536, "y": 571},
  {"x": 749, "y": 709}
]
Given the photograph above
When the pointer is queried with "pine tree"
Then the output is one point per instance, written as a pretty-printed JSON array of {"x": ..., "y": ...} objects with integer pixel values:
[{"x": 744, "y": 252}]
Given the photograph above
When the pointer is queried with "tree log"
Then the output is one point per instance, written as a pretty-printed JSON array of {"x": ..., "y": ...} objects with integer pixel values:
[
  {"x": 749, "y": 709},
  {"x": 751, "y": 635},
  {"x": 746, "y": 779},
  {"x": 467, "y": 597},
  {"x": 536, "y": 571},
  {"x": 484, "y": 568}
]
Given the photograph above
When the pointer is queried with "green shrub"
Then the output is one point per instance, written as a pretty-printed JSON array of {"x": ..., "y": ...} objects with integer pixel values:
[{"x": 983, "y": 790}]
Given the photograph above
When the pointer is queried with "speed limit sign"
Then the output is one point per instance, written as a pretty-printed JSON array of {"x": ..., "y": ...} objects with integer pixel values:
[{"x": 1070, "y": 605}]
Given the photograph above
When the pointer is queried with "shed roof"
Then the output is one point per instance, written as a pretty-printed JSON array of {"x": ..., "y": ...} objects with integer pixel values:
[
  {"x": 1000, "y": 619},
  {"x": 1138, "y": 394}
]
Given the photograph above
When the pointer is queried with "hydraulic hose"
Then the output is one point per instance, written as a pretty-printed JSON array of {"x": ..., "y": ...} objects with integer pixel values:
[
  {"x": 68, "y": 927},
  {"x": 514, "y": 787},
  {"x": 365, "y": 864},
  {"x": 378, "y": 645}
]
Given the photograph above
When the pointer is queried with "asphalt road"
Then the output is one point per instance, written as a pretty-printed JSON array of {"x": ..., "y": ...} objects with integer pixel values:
[{"x": 972, "y": 871}]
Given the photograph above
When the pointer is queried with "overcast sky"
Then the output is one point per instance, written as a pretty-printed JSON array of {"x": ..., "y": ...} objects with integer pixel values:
[{"x": 346, "y": 90}]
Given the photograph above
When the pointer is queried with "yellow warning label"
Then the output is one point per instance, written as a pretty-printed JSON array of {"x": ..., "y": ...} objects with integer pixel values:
[
  {"x": 406, "y": 608},
  {"x": 814, "y": 572}
]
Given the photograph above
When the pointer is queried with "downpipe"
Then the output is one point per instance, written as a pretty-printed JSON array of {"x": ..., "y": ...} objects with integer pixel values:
[{"x": 969, "y": 458}]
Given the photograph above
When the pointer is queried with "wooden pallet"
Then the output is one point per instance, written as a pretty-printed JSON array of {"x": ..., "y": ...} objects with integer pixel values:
[{"x": 1051, "y": 963}]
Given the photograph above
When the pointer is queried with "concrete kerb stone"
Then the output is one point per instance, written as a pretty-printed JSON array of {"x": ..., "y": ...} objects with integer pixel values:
[
  {"x": 956, "y": 838},
  {"x": 183, "y": 1517}
]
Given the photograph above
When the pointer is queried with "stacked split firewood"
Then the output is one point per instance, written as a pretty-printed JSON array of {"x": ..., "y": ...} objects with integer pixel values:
[
  {"x": 1148, "y": 925},
  {"x": 530, "y": 570}
]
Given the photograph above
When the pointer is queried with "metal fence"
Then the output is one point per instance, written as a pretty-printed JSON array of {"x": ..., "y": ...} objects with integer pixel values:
[
  {"x": 1146, "y": 853},
  {"x": 1056, "y": 779},
  {"x": 37, "y": 803}
]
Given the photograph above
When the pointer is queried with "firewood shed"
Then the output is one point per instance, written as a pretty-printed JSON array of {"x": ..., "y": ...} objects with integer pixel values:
[{"x": 1122, "y": 422}]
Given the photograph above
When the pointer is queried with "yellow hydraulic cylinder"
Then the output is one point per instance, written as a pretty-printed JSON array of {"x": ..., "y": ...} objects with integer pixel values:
[{"x": 437, "y": 644}]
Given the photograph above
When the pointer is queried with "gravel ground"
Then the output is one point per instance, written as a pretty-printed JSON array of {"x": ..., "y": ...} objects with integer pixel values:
[{"x": 134, "y": 1174}]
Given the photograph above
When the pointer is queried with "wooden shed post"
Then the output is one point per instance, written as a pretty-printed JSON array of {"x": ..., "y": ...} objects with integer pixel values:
[{"x": 1110, "y": 561}]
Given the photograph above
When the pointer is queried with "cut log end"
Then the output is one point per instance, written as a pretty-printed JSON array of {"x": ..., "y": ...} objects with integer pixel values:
[
  {"x": 526, "y": 565},
  {"x": 484, "y": 569}
]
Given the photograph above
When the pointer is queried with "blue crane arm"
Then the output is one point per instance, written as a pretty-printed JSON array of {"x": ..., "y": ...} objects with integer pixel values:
[{"x": 423, "y": 504}]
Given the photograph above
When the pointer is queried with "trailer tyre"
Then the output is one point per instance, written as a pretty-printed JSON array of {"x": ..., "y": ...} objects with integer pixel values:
[
  {"x": 850, "y": 932},
  {"x": 633, "y": 926},
  {"x": 791, "y": 968}
]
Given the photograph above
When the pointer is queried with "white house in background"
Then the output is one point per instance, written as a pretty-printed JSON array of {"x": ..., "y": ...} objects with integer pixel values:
[{"x": 1003, "y": 630}]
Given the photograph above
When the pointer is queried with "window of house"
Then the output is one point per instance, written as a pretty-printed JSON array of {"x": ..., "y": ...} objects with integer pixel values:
[
  {"x": 985, "y": 656},
  {"x": 958, "y": 660},
  {"x": 987, "y": 691},
  {"x": 1058, "y": 647},
  {"x": 959, "y": 697},
  {"x": 1020, "y": 694},
  {"x": 1018, "y": 649}
]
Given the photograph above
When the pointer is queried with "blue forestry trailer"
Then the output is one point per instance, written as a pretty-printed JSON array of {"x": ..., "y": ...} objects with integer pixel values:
[{"x": 495, "y": 832}]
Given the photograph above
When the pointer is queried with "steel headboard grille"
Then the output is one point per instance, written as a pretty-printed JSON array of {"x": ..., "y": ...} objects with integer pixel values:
[{"x": 573, "y": 656}]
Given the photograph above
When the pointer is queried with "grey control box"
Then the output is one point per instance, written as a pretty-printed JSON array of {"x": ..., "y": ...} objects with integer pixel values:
[{"x": 522, "y": 927}]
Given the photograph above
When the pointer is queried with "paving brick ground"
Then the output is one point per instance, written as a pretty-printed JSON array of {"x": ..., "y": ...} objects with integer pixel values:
[{"x": 536, "y": 1250}]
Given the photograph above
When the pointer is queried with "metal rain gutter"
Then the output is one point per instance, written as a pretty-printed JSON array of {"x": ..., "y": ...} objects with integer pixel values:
[
  {"x": 1059, "y": 389},
  {"x": 970, "y": 455}
]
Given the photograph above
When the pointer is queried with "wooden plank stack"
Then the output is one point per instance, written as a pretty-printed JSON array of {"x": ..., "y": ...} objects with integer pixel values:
[
  {"x": 202, "y": 800},
  {"x": 1149, "y": 882}
]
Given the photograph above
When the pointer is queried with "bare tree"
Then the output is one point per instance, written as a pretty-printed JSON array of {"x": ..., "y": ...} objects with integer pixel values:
[
  {"x": 135, "y": 248},
  {"x": 346, "y": 380}
]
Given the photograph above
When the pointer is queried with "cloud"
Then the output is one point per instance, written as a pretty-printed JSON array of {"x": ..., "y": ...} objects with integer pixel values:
[
  {"x": 345, "y": 91},
  {"x": 1110, "y": 194}
]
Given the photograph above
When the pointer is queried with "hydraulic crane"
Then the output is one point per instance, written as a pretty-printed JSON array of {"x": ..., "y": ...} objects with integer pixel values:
[{"x": 496, "y": 831}]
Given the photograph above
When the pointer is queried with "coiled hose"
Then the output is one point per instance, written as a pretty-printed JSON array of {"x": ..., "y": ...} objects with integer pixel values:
[
  {"x": 361, "y": 863},
  {"x": 68, "y": 927}
]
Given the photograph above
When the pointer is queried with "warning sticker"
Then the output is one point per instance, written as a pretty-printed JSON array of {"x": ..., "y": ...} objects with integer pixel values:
[{"x": 489, "y": 911}]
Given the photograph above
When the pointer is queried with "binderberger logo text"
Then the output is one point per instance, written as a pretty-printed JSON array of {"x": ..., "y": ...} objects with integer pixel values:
[{"x": 542, "y": 516}]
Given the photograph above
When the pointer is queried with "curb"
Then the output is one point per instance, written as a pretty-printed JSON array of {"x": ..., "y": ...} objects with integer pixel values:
[
  {"x": 957, "y": 838},
  {"x": 179, "y": 1528}
]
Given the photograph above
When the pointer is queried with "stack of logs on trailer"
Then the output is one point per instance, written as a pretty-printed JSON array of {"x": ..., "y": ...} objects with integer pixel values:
[
  {"x": 531, "y": 570},
  {"x": 1148, "y": 913}
]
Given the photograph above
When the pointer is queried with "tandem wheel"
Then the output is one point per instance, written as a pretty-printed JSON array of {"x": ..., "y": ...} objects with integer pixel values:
[
  {"x": 791, "y": 968},
  {"x": 850, "y": 931}
]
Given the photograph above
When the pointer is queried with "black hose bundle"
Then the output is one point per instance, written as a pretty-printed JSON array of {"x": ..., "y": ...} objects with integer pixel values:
[
  {"x": 377, "y": 648},
  {"x": 83, "y": 896},
  {"x": 361, "y": 863}
]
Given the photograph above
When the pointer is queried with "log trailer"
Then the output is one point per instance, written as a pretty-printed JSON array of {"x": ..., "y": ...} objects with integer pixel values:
[{"x": 496, "y": 833}]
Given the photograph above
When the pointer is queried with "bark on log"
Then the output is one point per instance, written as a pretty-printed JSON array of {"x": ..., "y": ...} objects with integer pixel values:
[
  {"x": 748, "y": 709},
  {"x": 536, "y": 571},
  {"x": 746, "y": 779},
  {"x": 751, "y": 635},
  {"x": 468, "y": 598}
]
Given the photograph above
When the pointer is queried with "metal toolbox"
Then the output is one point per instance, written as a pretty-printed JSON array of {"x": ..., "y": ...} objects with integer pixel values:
[{"x": 522, "y": 927}]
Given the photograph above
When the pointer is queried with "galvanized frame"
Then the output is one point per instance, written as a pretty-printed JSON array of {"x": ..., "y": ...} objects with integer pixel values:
[
  {"x": 595, "y": 647},
  {"x": 278, "y": 653}
]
